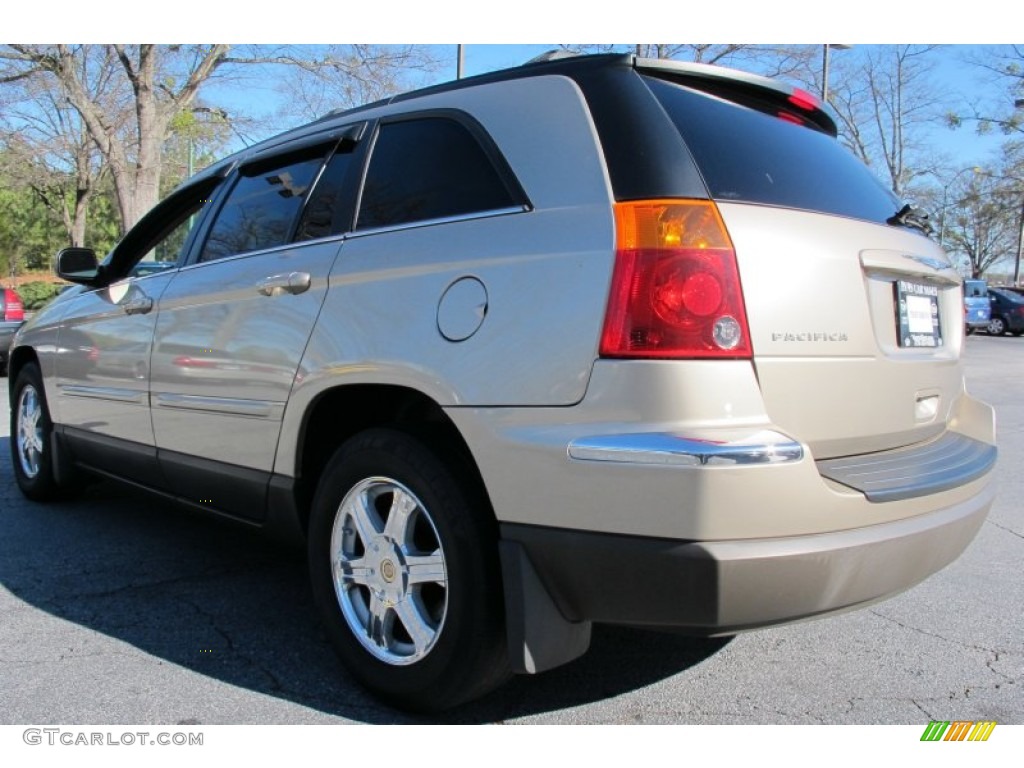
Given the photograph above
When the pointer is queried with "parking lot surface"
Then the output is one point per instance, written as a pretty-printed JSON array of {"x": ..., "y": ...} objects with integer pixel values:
[{"x": 118, "y": 609}]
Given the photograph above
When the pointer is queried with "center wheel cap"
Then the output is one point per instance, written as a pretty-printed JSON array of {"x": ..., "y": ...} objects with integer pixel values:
[{"x": 387, "y": 570}]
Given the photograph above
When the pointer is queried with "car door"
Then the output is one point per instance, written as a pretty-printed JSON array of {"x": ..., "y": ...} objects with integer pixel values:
[
  {"x": 232, "y": 324},
  {"x": 105, "y": 338}
]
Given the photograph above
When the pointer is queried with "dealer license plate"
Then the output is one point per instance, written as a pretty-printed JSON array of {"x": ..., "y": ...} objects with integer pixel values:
[{"x": 917, "y": 315}]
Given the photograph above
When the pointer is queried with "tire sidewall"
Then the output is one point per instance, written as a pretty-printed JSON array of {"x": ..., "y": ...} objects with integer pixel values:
[
  {"x": 474, "y": 611},
  {"x": 42, "y": 486}
]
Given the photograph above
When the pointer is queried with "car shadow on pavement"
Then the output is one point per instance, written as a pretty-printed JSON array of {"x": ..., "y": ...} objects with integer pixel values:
[{"x": 217, "y": 598}]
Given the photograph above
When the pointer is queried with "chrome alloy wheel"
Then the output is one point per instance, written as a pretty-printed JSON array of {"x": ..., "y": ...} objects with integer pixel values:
[
  {"x": 29, "y": 435},
  {"x": 389, "y": 571}
]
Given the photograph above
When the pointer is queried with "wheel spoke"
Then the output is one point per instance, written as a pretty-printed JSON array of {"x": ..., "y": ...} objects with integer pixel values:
[
  {"x": 352, "y": 571},
  {"x": 388, "y": 568},
  {"x": 399, "y": 516},
  {"x": 365, "y": 518},
  {"x": 426, "y": 568},
  {"x": 411, "y": 614},
  {"x": 29, "y": 437},
  {"x": 378, "y": 625}
]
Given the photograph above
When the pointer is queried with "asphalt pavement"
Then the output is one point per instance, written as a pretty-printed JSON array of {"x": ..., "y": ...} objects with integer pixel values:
[{"x": 117, "y": 609}]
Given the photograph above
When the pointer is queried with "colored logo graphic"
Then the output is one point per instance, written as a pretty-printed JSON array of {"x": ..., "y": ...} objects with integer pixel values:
[{"x": 958, "y": 730}]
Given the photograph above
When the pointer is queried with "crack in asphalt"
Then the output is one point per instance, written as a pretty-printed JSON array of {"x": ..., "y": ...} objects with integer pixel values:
[
  {"x": 212, "y": 620},
  {"x": 276, "y": 686},
  {"x": 209, "y": 573},
  {"x": 994, "y": 654},
  {"x": 912, "y": 628},
  {"x": 1004, "y": 528},
  {"x": 925, "y": 711},
  {"x": 62, "y": 657}
]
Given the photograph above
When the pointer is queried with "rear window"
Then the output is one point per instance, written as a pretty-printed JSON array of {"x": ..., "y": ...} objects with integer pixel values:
[
  {"x": 1010, "y": 296},
  {"x": 749, "y": 155},
  {"x": 974, "y": 288}
]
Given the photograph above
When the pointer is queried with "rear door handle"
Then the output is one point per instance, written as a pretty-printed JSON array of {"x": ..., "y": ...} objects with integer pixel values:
[{"x": 293, "y": 282}]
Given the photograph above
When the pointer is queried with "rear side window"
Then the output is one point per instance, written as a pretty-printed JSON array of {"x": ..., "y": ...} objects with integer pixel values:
[
  {"x": 428, "y": 168},
  {"x": 323, "y": 215},
  {"x": 261, "y": 209},
  {"x": 749, "y": 155}
]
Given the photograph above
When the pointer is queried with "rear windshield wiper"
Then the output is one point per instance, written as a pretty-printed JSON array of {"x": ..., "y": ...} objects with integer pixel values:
[{"x": 909, "y": 216}]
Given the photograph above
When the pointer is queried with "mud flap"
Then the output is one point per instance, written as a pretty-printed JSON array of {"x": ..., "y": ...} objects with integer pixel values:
[{"x": 539, "y": 637}]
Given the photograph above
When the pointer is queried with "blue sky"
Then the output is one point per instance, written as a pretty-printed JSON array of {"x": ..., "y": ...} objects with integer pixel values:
[
  {"x": 503, "y": 31},
  {"x": 963, "y": 84}
]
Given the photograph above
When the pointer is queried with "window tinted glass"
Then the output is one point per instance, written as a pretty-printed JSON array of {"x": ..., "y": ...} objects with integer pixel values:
[
  {"x": 975, "y": 288},
  {"x": 427, "y": 169},
  {"x": 1014, "y": 298},
  {"x": 157, "y": 241},
  {"x": 260, "y": 210},
  {"x": 320, "y": 217},
  {"x": 748, "y": 155}
]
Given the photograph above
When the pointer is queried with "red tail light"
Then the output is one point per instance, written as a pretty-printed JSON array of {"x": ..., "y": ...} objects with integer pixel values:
[
  {"x": 13, "y": 308},
  {"x": 676, "y": 287}
]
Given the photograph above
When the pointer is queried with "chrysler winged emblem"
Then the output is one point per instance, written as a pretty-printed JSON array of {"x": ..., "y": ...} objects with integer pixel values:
[{"x": 928, "y": 261}]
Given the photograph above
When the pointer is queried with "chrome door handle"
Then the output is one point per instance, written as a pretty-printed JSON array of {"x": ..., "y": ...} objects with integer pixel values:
[
  {"x": 293, "y": 282},
  {"x": 140, "y": 305}
]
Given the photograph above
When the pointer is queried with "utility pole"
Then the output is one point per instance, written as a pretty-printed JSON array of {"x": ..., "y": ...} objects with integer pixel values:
[{"x": 825, "y": 49}]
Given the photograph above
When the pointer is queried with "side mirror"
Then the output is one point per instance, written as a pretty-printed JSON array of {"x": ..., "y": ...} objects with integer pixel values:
[{"x": 78, "y": 265}]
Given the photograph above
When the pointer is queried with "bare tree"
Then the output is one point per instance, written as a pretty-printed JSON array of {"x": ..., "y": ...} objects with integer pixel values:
[
  {"x": 883, "y": 95},
  {"x": 49, "y": 150},
  {"x": 155, "y": 84},
  {"x": 983, "y": 225},
  {"x": 1005, "y": 112},
  {"x": 350, "y": 75},
  {"x": 784, "y": 61}
]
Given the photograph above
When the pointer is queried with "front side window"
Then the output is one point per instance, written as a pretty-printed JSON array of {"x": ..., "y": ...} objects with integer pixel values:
[
  {"x": 166, "y": 253},
  {"x": 261, "y": 209},
  {"x": 159, "y": 240},
  {"x": 428, "y": 168}
]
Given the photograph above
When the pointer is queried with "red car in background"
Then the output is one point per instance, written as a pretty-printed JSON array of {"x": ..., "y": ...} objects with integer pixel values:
[{"x": 12, "y": 315}]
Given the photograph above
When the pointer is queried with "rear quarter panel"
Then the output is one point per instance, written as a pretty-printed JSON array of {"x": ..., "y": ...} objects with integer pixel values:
[{"x": 545, "y": 272}]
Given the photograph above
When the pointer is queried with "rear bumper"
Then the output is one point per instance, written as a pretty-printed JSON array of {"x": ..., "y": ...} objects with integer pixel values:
[{"x": 721, "y": 587}]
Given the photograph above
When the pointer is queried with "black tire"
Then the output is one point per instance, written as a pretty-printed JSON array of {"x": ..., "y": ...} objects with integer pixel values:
[
  {"x": 30, "y": 436},
  {"x": 395, "y": 515},
  {"x": 996, "y": 326}
]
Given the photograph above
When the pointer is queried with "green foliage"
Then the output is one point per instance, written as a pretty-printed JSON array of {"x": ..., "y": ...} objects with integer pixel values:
[
  {"x": 30, "y": 234},
  {"x": 35, "y": 294},
  {"x": 102, "y": 228}
]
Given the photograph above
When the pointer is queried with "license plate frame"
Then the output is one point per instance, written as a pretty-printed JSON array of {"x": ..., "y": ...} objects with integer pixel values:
[{"x": 918, "y": 319}]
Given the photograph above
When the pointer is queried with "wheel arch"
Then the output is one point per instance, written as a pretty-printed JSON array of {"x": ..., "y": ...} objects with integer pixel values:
[
  {"x": 20, "y": 357},
  {"x": 341, "y": 412}
]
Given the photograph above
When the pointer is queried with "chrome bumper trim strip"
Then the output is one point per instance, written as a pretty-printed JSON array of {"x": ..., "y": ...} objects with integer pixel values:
[{"x": 668, "y": 449}]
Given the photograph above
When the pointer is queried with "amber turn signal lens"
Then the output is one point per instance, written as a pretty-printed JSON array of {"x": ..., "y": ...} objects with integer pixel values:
[{"x": 675, "y": 291}]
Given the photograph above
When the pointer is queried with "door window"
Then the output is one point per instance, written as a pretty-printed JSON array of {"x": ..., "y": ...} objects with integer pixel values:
[
  {"x": 261, "y": 209},
  {"x": 429, "y": 168}
]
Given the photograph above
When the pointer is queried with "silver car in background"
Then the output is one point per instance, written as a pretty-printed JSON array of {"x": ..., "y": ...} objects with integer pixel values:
[{"x": 597, "y": 339}]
